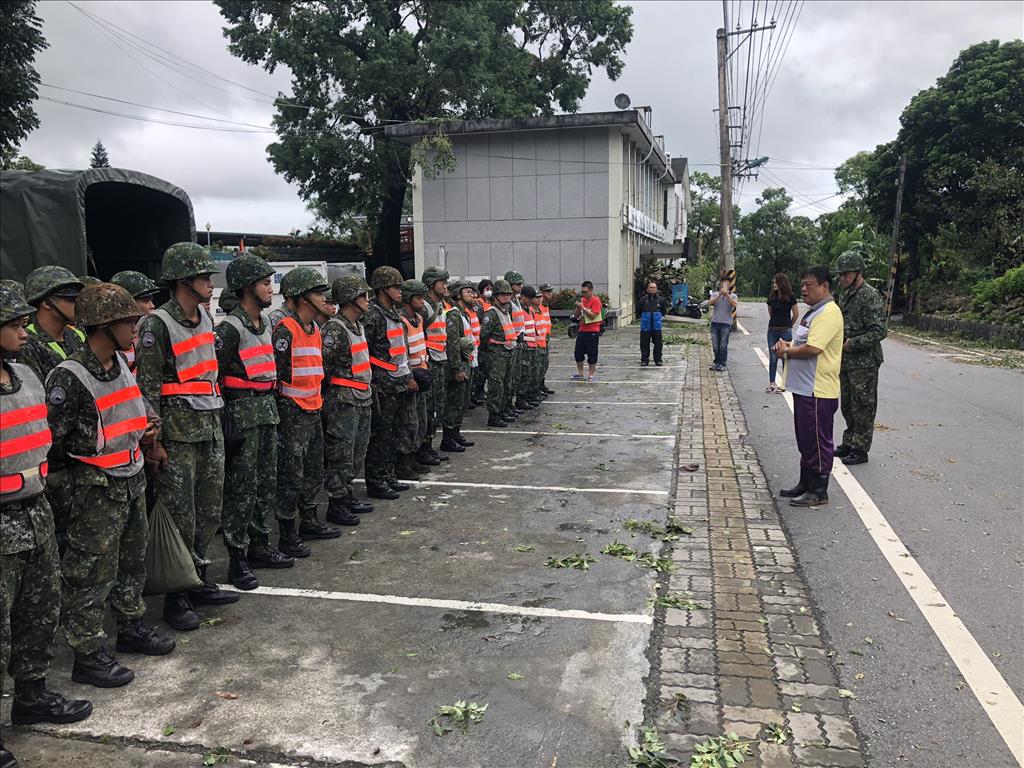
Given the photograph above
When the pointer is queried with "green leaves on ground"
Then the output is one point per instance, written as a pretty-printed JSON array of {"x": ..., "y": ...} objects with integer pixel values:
[
  {"x": 670, "y": 532},
  {"x": 515, "y": 676},
  {"x": 579, "y": 562},
  {"x": 774, "y": 733},
  {"x": 630, "y": 555},
  {"x": 651, "y": 752},
  {"x": 169, "y": 730},
  {"x": 459, "y": 715},
  {"x": 659, "y": 564},
  {"x": 673, "y": 600},
  {"x": 720, "y": 752},
  {"x": 523, "y": 547},
  {"x": 218, "y": 756},
  {"x": 620, "y": 550}
]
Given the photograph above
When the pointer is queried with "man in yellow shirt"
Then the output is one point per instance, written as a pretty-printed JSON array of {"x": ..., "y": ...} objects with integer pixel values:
[{"x": 812, "y": 376}]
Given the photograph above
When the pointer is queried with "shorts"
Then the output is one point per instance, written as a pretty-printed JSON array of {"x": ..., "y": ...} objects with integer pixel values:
[{"x": 586, "y": 346}]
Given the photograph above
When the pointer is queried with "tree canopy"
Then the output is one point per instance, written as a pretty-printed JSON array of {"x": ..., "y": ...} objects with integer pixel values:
[
  {"x": 359, "y": 65},
  {"x": 99, "y": 157},
  {"x": 21, "y": 38}
]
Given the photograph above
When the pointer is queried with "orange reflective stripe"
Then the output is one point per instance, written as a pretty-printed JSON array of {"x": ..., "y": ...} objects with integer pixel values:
[
  {"x": 23, "y": 416},
  {"x": 138, "y": 424},
  {"x": 13, "y": 447},
  {"x": 263, "y": 349},
  {"x": 199, "y": 340},
  {"x": 233, "y": 382},
  {"x": 383, "y": 364},
  {"x": 15, "y": 482},
  {"x": 361, "y": 346},
  {"x": 197, "y": 370},
  {"x": 339, "y": 381},
  {"x": 106, "y": 402},
  {"x": 118, "y": 459},
  {"x": 190, "y": 388},
  {"x": 256, "y": 370},
  {"x": 394, "y": 333}
]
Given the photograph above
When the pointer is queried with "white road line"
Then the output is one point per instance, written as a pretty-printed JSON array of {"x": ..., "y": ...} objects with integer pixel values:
[
  {"x": 744, "y": 330},
  {"x": 455, "y": 605},
  {"x": 501, "y": 486},
  {"x": 500, "y": 432},
  {"x": 606, "y": 402},
  {"x": 939, "y": 344},
  {"x": 998, "y": 700}
]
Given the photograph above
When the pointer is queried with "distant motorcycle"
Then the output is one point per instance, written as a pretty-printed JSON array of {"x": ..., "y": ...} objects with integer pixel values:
[{"x": 692, "y": 308}]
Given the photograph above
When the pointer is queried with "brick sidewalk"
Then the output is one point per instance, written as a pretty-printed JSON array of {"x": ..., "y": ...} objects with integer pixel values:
[{"x": 755, "y": 655}]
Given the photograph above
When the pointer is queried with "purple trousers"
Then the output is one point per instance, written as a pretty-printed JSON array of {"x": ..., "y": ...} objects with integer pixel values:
[{"x": 812, "y": 419}]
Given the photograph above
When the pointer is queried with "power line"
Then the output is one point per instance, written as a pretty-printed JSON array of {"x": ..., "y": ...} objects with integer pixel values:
[{"x": 150, "y": 120}]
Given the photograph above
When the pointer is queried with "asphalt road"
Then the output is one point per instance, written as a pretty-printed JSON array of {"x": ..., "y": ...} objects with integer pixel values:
[{"x": 946, "y": 471}]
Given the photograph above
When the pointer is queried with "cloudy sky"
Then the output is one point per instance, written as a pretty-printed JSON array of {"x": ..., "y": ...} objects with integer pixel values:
[{"x": 848, "y": 71}]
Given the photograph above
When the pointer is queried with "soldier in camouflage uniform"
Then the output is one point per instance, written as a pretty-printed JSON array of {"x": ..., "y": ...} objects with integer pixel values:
[
  {"x": 298, "y": 349},
  {"x": 392, "y": 380},
  {"x": 864, "y": 321},
  {"x": 541, "y": 308},
  {"x": 527, "y": 395},
  {"x": 52, "y": 336},
  {"x": 348, "y": 400},
  {"x": 245, "y": 359},
  {"x": 484, "y": 292},
  {"x": 98, "y": 420},
  {"x": 515, "y": 279},
  {"x": 461, "y": 362},
  {"x": 435, "y": 308},
  {"x": 497, "y": 342},
  {"x": 413, "y": 458},
  {"x": 144, "y": 291},
  {"x": 29, "y": 569},
  {"x": 176, "y": 367}
]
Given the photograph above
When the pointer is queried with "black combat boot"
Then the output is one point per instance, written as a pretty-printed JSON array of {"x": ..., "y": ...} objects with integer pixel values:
[
  {"x": 816, "y": 494},
  {"x": 6, "y": 758},
  {"x": 425, "y": 457},
  {"x": 263, "y": 555},
  {"x": 495, "y": 420},
  {"x": 135, "y": 637},
  {"x": 462, "y": 440},
  {"x": 380, "y": 491},
  {"x": 449, "y": 444},
  {"x": 239, "y": 572},
  {"x": 210, "y": 593},
  {"x": 799, "y": 488},
  {"x": 35, "y": 703},
  {"x": 547, "y": 391},
  {"x": 841, "y": 450},
  {"x": 522, "y": 404},
  {"x": 397, "y": 485},
  {"x": 314, "y": 529},
  {"x": 352, "y": 504},
  {"x": 178, "y": 612},
  {"x": 419, "y": 469},
  {"x": 403, "y": 470},
  {"x": 339, "y": 514},
  {"x": 855, "y": 456},
  {"x": 290, "y": 542},
  {"x": 434, "y": 453},
  {"x": 101, "y": 669}
]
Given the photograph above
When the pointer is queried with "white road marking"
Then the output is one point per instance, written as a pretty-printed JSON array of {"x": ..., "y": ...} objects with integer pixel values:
[
  {"x": 455, "y": 605},
  {"x": 562, "y": 434},
  {"x": 744, "y": 330},
  {"x": 939, "y": 344},
  {"x": 605, "y": 402},
  {"x": 453, "y": 483},
  {"x": 998, "y": 700}
]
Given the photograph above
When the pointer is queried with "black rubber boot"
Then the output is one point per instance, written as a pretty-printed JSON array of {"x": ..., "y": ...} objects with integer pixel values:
[
  {"x": 314, "y": 529},
  {"x": 449, "y": 444},
  {"x": 339, "y": 514},
  {"x": 135, "y": 637},
  {"x": 494, "y": 420},
  {"x": 462, "y": 440},
  {"x": 210, "y": 593},
  {"x": 352, "y": 504},
  {"x": 178, "y": 612},
  {"x": 798, "y": 489},
  {"x": 290, "y": 542},
  {"x": 265, "y": 556},
  {"x": 101, "y": 669},
  {"x": 6, "y": 758},
  {"x": 425, "y": 457},
  {"x": 35, "y": 703},
  {"x": 239, "y": 572},
  {"x": 816, "y": 493}
]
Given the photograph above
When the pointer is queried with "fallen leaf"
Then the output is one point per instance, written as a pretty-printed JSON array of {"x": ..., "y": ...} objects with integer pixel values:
[
  {"x": 869, "y": 640},
  {"x": 409, "y": 533},
  {"x": 228, "y": 695},
  {"x": 169, "y": 730},
  {"x": 514, "y": 676},
  {"x": 846, "y": 694},
  {"x": 951, "y": 460},
  {"x": 859, "y": 676}
]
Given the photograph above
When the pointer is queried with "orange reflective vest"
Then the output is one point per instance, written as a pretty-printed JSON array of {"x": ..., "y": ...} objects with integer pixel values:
[
  {"x": 415, "y": 342},
  {"x": 437, "y": 333},
  {"x": 529, "y": 329},
  {"x": 122, "y": 421},
  {"x": 518, "y": 316},
  {"x": 397, "y": 364},
  {"x": 543, "y": 319},
  {"x": 307, "y": 367},
  {"x": 24, "y": 438},
  {"x": 257, "y": 356},
  {"x": 195, "y": 362},
  {"x": 468, "y": 333},
  {"x": 507, "y": 327},
  {"x": 359, "y": 374},
  {"x": 474, "y": 323}
]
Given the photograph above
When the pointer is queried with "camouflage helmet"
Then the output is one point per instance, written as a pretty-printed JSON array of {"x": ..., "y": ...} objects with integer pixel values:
[
  {"x": 466, "y": 347},
  {"x": 432, "y": 274},
  {"x": 501, "y": 286},
  {"x": 302, "y": 280},
  {"x": 514, "y": 277},
  {"x": 48, "y": 281},
  {"x": 455, "y": 286},
  {"x": 103, "y": 303},
  {"x": 385, "y": 277},
  {"x": 227, "y": 302},
  {"x": 14, "y": 285},
  {"x": 136, "y": 283},
  {"x": 412, "y": 288},
  {"x": 246, "y": 270},
  {"x": 89, "y": 280},
  {"x": 348, "y": 288},
  {"x": 183, "y": 260},
  {"x": 850, "y": 261},
  {"x": 12, "y": 304}
]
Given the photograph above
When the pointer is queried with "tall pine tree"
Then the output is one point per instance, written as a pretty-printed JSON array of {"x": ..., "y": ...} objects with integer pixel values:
[{"x": 99, "y": 157}]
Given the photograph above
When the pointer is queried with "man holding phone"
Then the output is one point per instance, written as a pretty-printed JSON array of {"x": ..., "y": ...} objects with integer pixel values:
[
  {"x": 724, "y": 303},
  {"x": 588, "y": 309}
]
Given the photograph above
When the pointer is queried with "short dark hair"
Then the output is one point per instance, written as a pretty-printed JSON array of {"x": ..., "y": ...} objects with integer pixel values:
[
  {"x": 485, "y": 283},
  {"x": 819, "y": 273},
  {"x": 587, "y": 284}
]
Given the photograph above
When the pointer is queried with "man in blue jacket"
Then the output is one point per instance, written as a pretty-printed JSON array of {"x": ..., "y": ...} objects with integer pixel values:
[{"x": 651, "y": 308}]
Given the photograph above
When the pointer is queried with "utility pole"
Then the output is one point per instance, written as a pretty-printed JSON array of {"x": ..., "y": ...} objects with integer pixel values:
[
  {"x": 726, "y": 257},
  {"x": 894, "y": 257}
]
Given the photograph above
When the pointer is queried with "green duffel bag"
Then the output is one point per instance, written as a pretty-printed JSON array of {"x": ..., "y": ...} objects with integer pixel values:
[{"x": 169, "y": 564}]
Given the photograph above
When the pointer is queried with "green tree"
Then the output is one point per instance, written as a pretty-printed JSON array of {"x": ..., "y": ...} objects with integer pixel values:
[
  {"x": 21, "y": 38},
  {"x": 772, "y": 241},
  {"x": 99, "y": 158},
  {"x": 359, "y": 65},
  {"x": 20, "y": 163},
  {"x": 703, "y": 226}
]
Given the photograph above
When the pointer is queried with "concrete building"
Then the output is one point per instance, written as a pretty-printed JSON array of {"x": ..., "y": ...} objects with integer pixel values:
[{"x": 561, "y": 199}]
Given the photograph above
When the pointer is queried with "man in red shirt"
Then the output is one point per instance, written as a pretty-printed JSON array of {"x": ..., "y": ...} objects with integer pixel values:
[{"x": 588, "y": 307}]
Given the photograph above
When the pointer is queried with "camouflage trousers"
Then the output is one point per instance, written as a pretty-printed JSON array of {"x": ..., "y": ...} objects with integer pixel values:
[
  {"x": 858, "y": 399},
  {"x": 436, "y": 396},
  {"x": 543, "y": 359},
  {"x": 300, "y": 462},
  {"x": 456, "y": 400},
  {"x": 192, "y": 490},
  {"x": 384, "y": 428},
  {"x": 499, "y": 381},
  {"x": 480, "y": 375},
  {"x": 412, "y": 422},
  {"x": 29, "y": 605},
  {"x": 104, "y": 561},
  {"x": 527, "y": 385},
  {"x": 60, "y": 493},
  {"x": 250, "y": 488},
  {"x": 517, "y": 367},
  {"x": 346, "y": 437}
]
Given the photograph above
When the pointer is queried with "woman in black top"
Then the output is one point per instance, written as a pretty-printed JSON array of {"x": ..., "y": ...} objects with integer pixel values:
[{"x": 782, "y": 314}]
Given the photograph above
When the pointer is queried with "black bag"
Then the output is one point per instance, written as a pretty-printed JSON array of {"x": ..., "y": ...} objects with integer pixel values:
[
  {"x": 233, "y": 436},
  {"x": 424, "y": 378}
]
